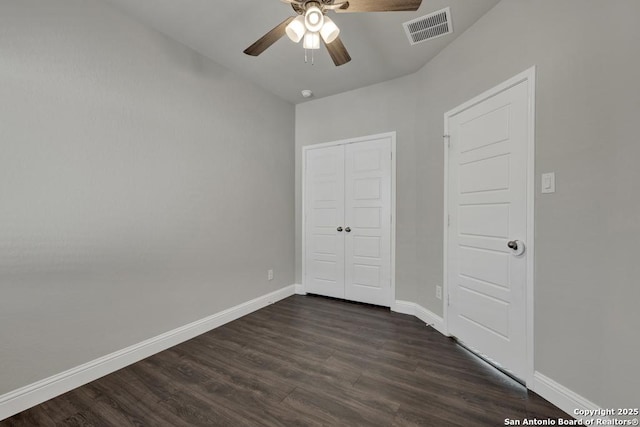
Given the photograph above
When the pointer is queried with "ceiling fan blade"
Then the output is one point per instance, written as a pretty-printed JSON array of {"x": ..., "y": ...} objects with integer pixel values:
[
  {"x": 338, "y": 52},
  {"x": 381, "y": 6},
  {"x": 268, "y": 39}
]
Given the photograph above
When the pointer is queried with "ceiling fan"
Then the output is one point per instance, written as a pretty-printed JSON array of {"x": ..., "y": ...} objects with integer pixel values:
[{"x": 312, "y": 25}]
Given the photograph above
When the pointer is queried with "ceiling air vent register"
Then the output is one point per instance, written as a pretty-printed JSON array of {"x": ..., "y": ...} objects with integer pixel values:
[{"x": 429, "y": 27}]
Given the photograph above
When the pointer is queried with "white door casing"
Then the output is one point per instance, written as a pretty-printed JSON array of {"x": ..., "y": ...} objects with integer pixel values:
[
  {"x": 489, "y": 202},
  {"x": 367, "y": 191}
]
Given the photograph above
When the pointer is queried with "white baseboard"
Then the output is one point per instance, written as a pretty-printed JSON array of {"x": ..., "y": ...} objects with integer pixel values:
[
  {"x": 565, "y": 399},
  {"x": 404, "y": 307},
  {"x": 300, "y": 289},
  {"x": 25, "y": 397},
  {"x": 431, "y": 319},
  {"x": 48, "y": 388},
  {"x": 562, "y": 397},
  {"x": 427, "y": 316}
]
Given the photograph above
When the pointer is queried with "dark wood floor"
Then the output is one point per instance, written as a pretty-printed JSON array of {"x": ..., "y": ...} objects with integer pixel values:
[{"x": 303, "y": 361}]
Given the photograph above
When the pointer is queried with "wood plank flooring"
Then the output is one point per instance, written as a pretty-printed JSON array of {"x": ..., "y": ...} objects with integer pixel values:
[{"x": 304, "y": 361}]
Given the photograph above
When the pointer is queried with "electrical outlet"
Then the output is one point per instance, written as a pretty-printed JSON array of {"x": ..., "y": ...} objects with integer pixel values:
[
  {"x": 439, "y": 292},
  {"x": 270, "y": 274}
]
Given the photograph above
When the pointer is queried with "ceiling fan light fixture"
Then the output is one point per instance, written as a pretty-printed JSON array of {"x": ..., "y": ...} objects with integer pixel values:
[
  {"x": 296, "y": 29},
  {"x": 329, "y": 31},
  {"x": 311, "y": 41},
  {"x": 314, "y": 19}
]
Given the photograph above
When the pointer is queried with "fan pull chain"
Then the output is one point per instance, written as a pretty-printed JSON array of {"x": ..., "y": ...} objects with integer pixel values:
[{"x": 306, "y": 56}]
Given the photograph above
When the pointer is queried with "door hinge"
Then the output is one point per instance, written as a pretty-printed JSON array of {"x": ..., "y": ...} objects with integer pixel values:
[
  {"x": 448, "y": 220},
  {"x": 448, "y": 299},
  {"x": 447, "y": 140}
]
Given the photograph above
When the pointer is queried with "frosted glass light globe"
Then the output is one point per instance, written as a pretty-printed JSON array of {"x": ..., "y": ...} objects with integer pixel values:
[
  {"x": 311, "y": 41},
  {"x": 329, "y": 31},
  {"x": 313, "y": 19},
  {"x": 296, "y": 29}
]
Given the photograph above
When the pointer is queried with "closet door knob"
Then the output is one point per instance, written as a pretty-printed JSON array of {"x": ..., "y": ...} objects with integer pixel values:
[
  {"x": 348, "y": 229},
  {"x": 339, "y": 228},
  {"x": 517, "y": 247}
]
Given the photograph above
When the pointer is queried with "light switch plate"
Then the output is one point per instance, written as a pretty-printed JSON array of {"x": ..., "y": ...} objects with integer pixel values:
[{"x": 549, "y": 182}]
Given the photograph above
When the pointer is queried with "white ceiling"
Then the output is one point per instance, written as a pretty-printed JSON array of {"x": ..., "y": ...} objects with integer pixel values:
[{"x": 379, "y": 48}]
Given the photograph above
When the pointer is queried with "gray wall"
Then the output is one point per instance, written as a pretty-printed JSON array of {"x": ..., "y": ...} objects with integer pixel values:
[
  {"x": 588, "y": 103},
  {"x": 142, "y": 186},
  {"x": 374, "y": 109}
]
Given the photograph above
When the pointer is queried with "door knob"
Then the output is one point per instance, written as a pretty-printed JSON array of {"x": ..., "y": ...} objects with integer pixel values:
[
  {"x": 339, "y": 228},
  {"x": 517, "y": 246},
  {"x": 348, "y": 229}
]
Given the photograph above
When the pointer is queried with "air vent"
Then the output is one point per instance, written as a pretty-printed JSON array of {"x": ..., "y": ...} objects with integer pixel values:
[{"x": 429, "y": 27}]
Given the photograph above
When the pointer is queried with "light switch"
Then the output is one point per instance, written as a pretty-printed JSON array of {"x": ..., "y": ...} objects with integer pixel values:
[{"x": 549, "y": 182}]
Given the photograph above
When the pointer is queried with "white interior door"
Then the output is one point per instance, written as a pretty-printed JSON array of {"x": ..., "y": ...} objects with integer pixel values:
[
  {"x": 487, "y": 204},
  {"x": 368, "y": 221},
  {"x": 324, "y": 222},
  {"x": 347, "y": 220}
]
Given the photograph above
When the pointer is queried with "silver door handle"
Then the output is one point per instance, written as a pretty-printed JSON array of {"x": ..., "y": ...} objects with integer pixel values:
[{"x": 517, "y": 246}]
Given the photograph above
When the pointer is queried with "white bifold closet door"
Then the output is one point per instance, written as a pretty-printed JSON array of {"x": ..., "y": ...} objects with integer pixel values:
[{"x": 348, "y": 221}]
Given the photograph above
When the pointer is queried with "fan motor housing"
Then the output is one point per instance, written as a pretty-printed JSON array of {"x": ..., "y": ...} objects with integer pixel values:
[{"x": 302, "y": 6}]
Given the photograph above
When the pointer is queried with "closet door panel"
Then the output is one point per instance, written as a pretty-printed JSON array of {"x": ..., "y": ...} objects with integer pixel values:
[
  {"x": 324, "y": 217},
  {"x": 368, "y": 221}
]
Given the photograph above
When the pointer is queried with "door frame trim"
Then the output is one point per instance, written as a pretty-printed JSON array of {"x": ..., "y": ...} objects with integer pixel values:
[
  {"x": 306, "y": 148},
  {"x": 529, "y": 76}
]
